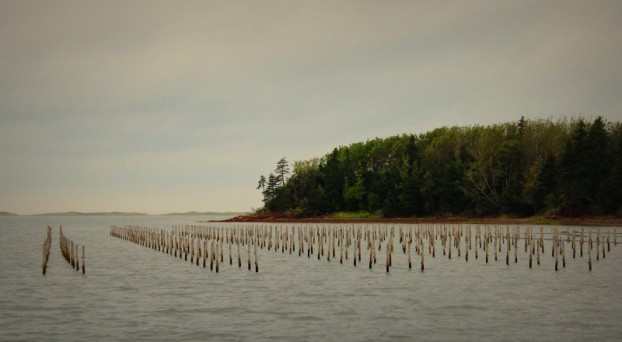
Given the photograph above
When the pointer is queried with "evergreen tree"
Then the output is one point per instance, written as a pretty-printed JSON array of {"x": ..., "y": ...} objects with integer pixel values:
[
  {"x": 262, "y": 183},
  {"x": 610, "y": 196},
  {"x": 575, "y": 173},
  {"x": 333, "y": 181},
  {"x": 411, "y": 201},
  {"x": 596, "y": 158},
  {"x": 546, "y": 184},
  {"x": 270, "y": 191},
  {"x": 282, "y": 169}
]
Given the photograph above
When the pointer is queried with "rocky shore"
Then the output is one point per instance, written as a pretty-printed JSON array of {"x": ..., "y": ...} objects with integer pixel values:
[{"x": 535, "y": 220}]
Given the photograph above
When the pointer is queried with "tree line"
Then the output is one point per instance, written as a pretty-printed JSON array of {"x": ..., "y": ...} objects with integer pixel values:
[{"x": 570, "y": 167}]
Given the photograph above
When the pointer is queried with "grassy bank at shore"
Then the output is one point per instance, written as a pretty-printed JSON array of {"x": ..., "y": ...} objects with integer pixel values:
[{"x": 372, "y": 218}]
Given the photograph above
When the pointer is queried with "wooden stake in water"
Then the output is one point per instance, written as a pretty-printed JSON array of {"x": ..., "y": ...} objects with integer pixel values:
[
  {"x": 175, "y": 246},
  {"x": 204, "y": 254},
  {"x": 222, "y": 250},
  {"x": 77, "y": 257},
  {"x": 371, "y": 255},
  {"x": 217, "y": 259},
  {"x": 191, "y": 242},
  {"x": 449, "y": 240},
  {"x": 71, "y": 258},
  {"x": 563, "y": 248},
  {"x": 556, "y": 252},
  {"x": 486, "y": 249},
  {"x": 332, "y": 236},
  {"x": 310, "y": 240},
  {"x": 198, "y": 251},
  {"x": 422, "y": 254},
  {"x": 358, "y": 242},
  {"x": 256, "y": 259},
  {"x": 341, "y": 248},
  {"x": 597, "y": 245},
  {"x": 542, "y": 239},
  {"x": 373, "y": 249},
  {"x": 354, "y": 253},
  {"x": 497, "y": 246},
  {"x": 530, "y": 254},
  {"x": 581, "y": 243},
  {"x": 388, "y": 260},
  {"x": 603, "y": 248},
  {"x": 230, "y": 253},
  {"x": 458, "y": 239},
  {"x": 83, "y": 261},
  {"x": 554, "y": 238},
  {"x": 211, "y": 256},
  {"x": 301, "y": 243},
  {"x": 516, "y": 250},
  {"x": 574, "y": 246},
  {"x": 433, "y": 245},
  {"x": 409, "y": 257},
  {"x": 589, "y": 257},
  {"x": 507, "y": 255},
  {"x": 249, "y": 256},
  {"x": 329, "y": 249},
  {"x": 46, "y": 249},
  {"x": 538, "y": 251},
  {"x": 466, "y": 250},
  {"x": 590, "y": 240}
]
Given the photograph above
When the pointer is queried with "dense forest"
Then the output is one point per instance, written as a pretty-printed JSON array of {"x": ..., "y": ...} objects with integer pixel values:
[{"x": 571, "y": 167}]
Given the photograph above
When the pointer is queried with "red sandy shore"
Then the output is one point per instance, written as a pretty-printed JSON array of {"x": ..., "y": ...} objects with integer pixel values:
[{"x": 536, "y": 220}]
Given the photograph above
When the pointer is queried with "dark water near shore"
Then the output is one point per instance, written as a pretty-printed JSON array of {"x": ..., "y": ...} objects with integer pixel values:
[{"x": 134, "y": 293}]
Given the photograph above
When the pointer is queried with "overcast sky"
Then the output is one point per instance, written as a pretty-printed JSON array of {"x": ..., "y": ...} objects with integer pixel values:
[{"x": 180, "y": 105}]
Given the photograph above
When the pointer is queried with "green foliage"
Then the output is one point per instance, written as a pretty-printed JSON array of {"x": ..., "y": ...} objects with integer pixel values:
[
  {"x": 355, "y": 215},
  {"x": 516, "y": 169},
  {"x": 546, "y": 184}
]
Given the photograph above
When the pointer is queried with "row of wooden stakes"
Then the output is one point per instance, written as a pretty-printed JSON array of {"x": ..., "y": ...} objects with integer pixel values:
[
  {"x": 46, "y": 249},
  {"x": 198, "y": 249},
  {"x": 324, "y": 240},
  {"x": 70, "y": 252},
  {"x": 534, "y": 243}
]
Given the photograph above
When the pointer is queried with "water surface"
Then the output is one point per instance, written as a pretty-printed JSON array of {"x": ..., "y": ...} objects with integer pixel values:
[{"x": 134, "y": 293}]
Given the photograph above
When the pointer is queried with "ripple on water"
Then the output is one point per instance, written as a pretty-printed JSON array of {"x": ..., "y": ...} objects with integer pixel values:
[{"x": 134, "y": 293}]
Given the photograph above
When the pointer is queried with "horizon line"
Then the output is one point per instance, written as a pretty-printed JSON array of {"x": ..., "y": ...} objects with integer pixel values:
[{"x": 125, "y": 213}]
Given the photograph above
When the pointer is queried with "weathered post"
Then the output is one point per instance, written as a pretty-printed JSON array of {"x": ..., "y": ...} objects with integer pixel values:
[
  {"x": 256, "y": 258},
  {"x": 409, "y": 257},
  {"x": 83, "y": 261},
  {"x": 589, "y": 257}
]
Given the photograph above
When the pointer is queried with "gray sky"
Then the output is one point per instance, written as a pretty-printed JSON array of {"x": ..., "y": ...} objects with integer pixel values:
[{"x": 181, "y": 105}]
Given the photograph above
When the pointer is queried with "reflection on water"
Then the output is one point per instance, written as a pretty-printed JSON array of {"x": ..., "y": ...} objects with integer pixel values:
[{"x": 131, "y": 292}]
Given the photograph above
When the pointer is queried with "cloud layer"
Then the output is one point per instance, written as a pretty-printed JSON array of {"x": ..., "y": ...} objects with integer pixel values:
[{"x": 160, "y": 106}]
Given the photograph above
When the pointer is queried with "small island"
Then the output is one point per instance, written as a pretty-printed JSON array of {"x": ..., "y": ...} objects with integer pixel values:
[
  {"x": 528, "y": 171},
  {"x": 77, "y": 213},
  {"x": 6, "y": 213}
]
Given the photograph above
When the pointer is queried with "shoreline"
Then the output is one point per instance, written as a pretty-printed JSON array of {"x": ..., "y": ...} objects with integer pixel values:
[{"x": 534, "y": 220}]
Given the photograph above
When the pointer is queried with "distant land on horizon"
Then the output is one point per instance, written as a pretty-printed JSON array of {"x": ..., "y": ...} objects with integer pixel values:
[
  {"x": 119, "y": 213},
  {"x": 77, "y": 213},
  {"x": 5, "y": 213}
]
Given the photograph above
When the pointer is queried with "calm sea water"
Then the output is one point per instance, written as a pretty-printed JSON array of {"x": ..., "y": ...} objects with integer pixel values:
[{"x": 134, "y": 293}]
